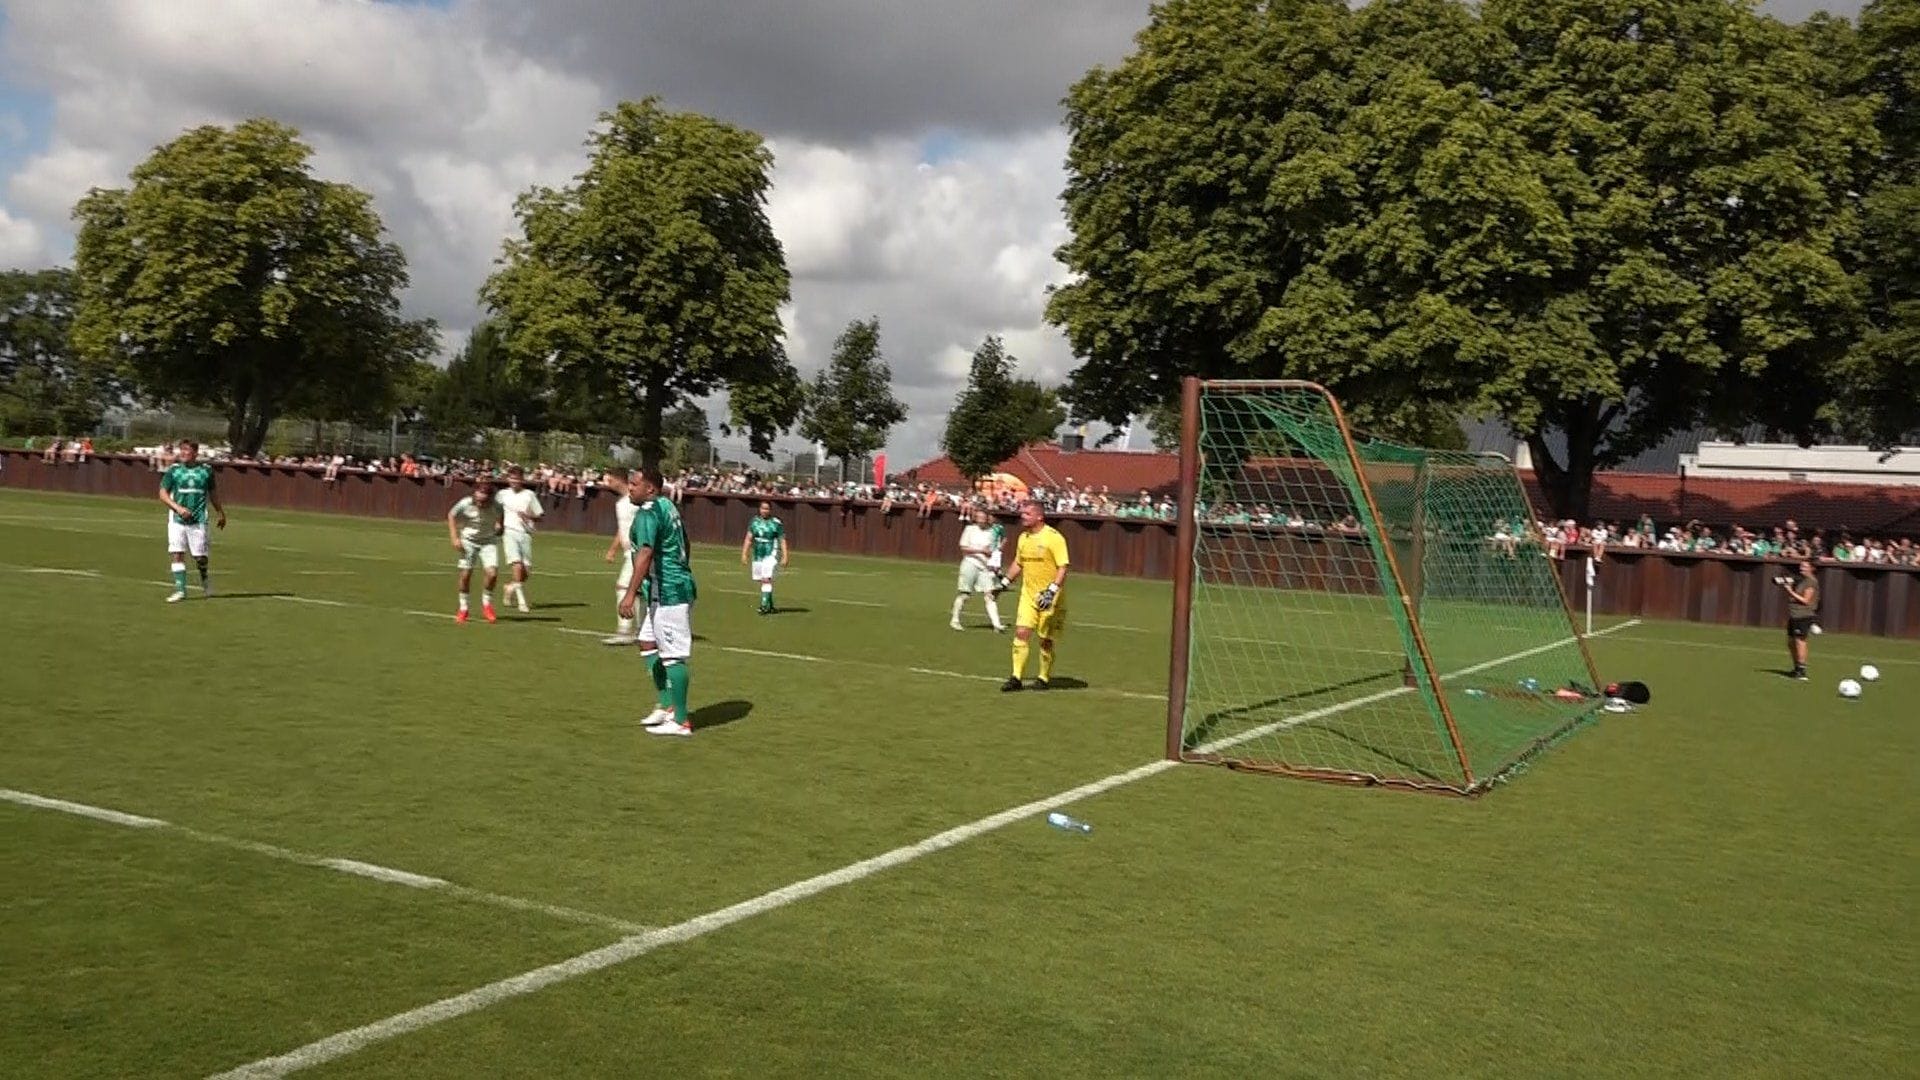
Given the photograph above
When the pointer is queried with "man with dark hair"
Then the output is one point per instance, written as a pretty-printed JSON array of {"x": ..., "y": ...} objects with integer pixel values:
[
  {"x": 1803, "y": 606},
  {"x": 187, "y": 489},
  {"x": 661, "y": 593},
  {"x": 521, "y": 509},
  {"x": 473, "y": 528}
]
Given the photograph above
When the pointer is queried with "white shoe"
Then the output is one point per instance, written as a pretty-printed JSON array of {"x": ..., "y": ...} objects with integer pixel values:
[
  {"x": 176, "y": 596},
  {"x": 671, "y": 728},
  {"x": 206, "y": 588},
  {"x": 955, "y": 625},
  {"x": 618, "y": 639},
  {"x": 657, "y": 717},
  {"x": 520, "y": 601}
]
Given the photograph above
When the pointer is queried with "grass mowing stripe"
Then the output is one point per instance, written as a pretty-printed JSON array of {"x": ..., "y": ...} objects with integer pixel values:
[
  {"x": 343, "y": 1043},
  {"x": 346, "y": 866}
]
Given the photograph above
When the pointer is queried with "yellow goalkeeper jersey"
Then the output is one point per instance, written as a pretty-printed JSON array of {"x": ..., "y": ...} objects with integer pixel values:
[{"x": 1041, "y": 556}]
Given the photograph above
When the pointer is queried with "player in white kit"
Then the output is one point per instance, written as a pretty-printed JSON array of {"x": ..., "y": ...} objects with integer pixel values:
[
  {"x": 521, "y": 509},
  {"x": 980, "y": 544},
  {"x": 622, "y": 549}
]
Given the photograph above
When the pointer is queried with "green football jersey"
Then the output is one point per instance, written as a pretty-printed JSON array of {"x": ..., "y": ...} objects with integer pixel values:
[
  {"x": 191, "y": 486},
  {"x": 999, "y": 532},
  {"x": 766, "y": 533},
  {"x": 670, "y": 577}
]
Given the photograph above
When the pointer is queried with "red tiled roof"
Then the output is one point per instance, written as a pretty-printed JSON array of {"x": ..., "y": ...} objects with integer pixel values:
[{"x": 1047, "y": 465}]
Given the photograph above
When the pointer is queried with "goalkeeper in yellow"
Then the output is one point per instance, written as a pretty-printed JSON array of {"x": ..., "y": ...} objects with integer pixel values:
[{"x": 1040, "y": 566}]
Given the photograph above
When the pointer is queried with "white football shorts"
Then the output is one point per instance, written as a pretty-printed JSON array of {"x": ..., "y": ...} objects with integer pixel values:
[
  {"x": 485, "y": 551},
  {"x": 670, "y": 628},
  {"x": 518, "y": 547},
  {"x": 191, "y": 539}
]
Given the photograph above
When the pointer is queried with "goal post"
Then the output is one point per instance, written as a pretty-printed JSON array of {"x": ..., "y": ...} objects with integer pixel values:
[{"x": 1347, "y": 608}]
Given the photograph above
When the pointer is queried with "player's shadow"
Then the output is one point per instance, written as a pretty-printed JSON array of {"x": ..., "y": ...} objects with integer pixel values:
[
  {"x": 1066, "y": 682},
  {"x": 562, "y": 607},
  {"x": 791, "y": 611},
  {"x": 517, "y": 617},
  {"x": 250, "y": 596},
  {"x": 720, "y": 713}
]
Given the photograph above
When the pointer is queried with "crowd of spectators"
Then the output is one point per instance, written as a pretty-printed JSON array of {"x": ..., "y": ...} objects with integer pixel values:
[{"x": 1786, "y": 540}]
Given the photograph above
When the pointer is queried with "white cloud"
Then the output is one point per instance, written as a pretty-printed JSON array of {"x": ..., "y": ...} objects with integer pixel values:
[
  {"x": 20, "y": 244},
  {"x": 444, "y": 117}
]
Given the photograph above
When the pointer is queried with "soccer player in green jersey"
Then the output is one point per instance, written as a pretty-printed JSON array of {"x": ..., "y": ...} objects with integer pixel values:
[
  {"x": 663, "y": 577},
  {"x": 765, "y": 550},
  {"x": 187, "y": 488}
]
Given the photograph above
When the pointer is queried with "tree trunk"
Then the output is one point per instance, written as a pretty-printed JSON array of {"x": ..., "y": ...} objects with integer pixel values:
[
  {"x": 652, "y": 413},
  {"x": 1569, "y": 485}
]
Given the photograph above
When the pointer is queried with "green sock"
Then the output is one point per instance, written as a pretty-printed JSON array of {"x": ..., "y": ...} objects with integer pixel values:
[
  {"x": 180, "y": 576},
  {"x": 766, "y": 599},
  {"x": 659, "y": 671},
  {"x": 677, "y": 678}
]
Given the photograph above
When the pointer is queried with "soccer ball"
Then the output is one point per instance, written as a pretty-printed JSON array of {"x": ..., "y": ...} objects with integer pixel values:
[
  {"x": 1869, "y": 673},
  {"x": 1849, "y": 688}
]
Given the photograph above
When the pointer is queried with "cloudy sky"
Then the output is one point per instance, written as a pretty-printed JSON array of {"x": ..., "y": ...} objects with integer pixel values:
[{"x": 918, "y": 143}]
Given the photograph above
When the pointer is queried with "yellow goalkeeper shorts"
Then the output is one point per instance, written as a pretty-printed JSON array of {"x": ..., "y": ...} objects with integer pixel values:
[{"x": 1047, "y": 624}]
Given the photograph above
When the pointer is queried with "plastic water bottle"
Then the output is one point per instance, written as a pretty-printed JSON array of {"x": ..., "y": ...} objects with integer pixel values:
[
  {"x": 1476, "y": 692},
  {"x": 1061, "y": 821}
]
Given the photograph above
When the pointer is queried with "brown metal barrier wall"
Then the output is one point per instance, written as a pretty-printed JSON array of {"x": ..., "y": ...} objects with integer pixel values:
[{"x": 1728, "y": 589}]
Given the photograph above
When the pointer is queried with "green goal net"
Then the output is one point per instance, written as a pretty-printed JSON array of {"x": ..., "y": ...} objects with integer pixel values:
[{"x": 1356, "y": 610}]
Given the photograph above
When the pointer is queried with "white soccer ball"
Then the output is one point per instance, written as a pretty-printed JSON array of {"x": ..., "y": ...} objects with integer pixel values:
[
  {"x": 1849, "y": 688},
  {"x": 1869, "y": 673}
]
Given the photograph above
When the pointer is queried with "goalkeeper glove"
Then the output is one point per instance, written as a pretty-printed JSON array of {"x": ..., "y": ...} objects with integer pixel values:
[{"x": 1045, "y": 600}]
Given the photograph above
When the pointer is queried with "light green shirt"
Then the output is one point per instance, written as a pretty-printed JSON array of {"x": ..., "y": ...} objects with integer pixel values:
[{"x": 477, "y": 523}]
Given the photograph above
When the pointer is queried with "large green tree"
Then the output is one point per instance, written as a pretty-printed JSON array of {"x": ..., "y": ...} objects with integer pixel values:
[
  {"x": 1603, "y": 220},
  {"x": 44, "y": 388},
  {"x": 850, "y": 405},
  {"x": 481, "y": 388},
  {"x": 229, "y": 276},
  {"x": 653, "y": 278},
  {"x": 1881, "y": 377},
  {"x": 997, "y": 413}
]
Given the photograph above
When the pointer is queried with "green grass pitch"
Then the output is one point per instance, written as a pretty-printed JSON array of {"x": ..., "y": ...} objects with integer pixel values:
[{"x": 1719, "y": 885}]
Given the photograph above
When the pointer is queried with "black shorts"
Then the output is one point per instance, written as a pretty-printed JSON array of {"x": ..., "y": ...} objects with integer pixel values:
[{"x": 1798, "y": 629}]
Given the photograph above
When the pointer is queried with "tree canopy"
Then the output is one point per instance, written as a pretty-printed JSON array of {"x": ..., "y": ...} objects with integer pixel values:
[
  {"x": 997, "y": 413},
  {"x": 44, "y": 388},
  {"x": 1604, "y": 221},
  {"x": 850, "y": 405},
  {"x": 654, "y": 278},
  {"x": 228, "y": 276}
]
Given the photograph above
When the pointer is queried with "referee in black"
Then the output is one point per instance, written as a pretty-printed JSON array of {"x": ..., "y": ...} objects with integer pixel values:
[{"x": 1803, "y": 604}]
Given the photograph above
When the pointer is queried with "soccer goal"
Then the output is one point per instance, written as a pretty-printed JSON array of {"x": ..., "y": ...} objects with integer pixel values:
[{"x": 1349, "y": 609}]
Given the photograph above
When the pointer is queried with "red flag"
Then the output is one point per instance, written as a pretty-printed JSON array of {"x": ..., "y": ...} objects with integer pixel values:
[{"x": 879, "y": 470}]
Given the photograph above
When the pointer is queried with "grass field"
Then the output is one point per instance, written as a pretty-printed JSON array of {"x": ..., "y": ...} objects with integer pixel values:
[{"x": 335, "y": 811}]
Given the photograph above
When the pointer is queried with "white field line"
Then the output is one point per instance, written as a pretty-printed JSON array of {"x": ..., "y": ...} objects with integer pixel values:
[
  {"x": 327, "y": 573},
  {"x": 313, "y": 600},
  {"x": 59, "y": 571},
  {"x": 364, "y": 558},
  {"x": 345, "y": 866},
  {"x": 776, "y": 655},
  {"x": 1730, "y": 647},
  {"x": 428, "y": 614},
  {"x": 1115, "y": 626},
  {"x": 383, "y": 873},
  {"x": 41, "y": 802},
  {"x": 855, "y": 603},
  {"x": 341, "y": 1044},
  {"x": 953, "y": 674}
]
